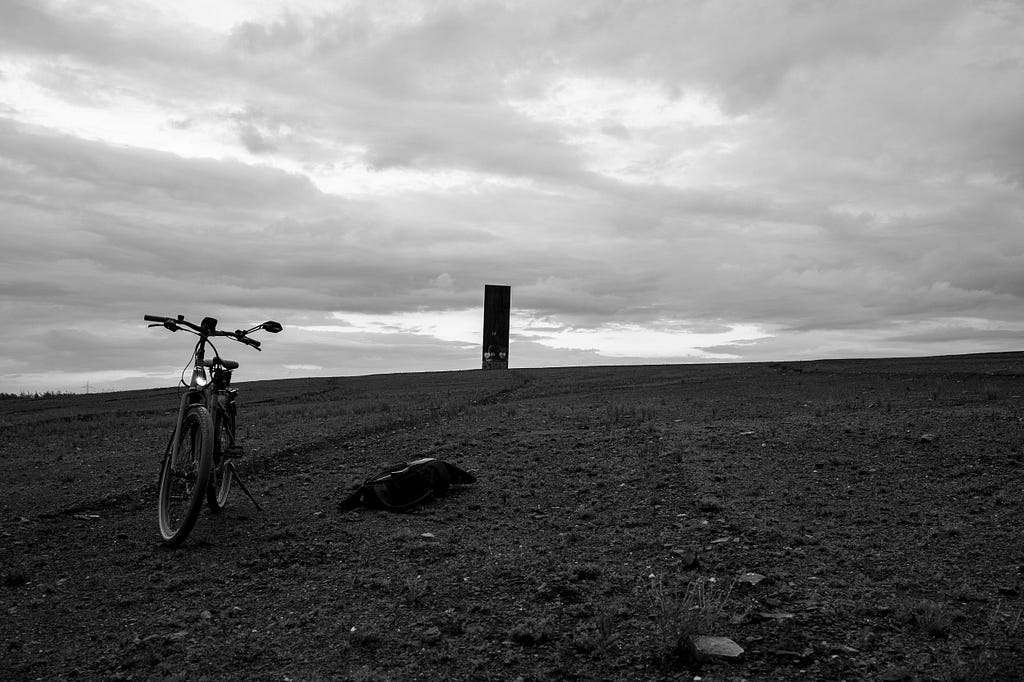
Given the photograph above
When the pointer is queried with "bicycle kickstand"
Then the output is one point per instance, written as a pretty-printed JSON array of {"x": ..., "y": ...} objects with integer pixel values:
[{"x": 238, "y": 479}]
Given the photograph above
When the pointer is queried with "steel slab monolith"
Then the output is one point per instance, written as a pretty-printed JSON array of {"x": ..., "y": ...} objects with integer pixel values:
[{"x": 497, "y": 313}]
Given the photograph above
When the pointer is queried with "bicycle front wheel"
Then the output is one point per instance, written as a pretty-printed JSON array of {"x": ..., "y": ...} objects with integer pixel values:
[
  {"x": 184, "y": 477},
  {"x": 220, "y": 473}
]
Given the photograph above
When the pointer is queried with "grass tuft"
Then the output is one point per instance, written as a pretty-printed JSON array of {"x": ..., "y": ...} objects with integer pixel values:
[
  {"x": 682, "y": 613},
  {"x": 978, "y": 670},
  {"x": 934, "y": 618}
]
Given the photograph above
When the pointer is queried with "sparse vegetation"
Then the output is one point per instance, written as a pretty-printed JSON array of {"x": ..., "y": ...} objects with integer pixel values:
[
  {"x": 979, "y": 669},
  {"x": 587, "y": 479},
  {"x": 597, "y": 635},
  {"x": 682, "y": 612},
  {"x": 35, "y": 395},
  {"x": 931, "y": 617},
  {"x": 618, "y": 413},
  {"x": 413, "y": 591}
]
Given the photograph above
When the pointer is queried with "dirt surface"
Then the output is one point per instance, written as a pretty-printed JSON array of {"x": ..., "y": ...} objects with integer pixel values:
[{"x": 618, "y": 513}]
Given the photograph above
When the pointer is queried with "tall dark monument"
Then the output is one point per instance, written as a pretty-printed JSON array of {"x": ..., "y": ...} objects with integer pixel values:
[{"x": 497, "y": 312}]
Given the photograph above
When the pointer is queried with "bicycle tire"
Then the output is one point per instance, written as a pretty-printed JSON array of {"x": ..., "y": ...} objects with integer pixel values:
[
  {"x": 220, "y": 472},
  {"x": 184, "y": 481}
]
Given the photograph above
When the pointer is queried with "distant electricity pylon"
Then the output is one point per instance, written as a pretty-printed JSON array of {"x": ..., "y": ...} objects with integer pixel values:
[{"x": 497, "y": 313}]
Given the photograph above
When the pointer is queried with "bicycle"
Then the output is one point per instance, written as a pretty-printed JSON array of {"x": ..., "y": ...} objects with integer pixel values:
[{"x": 197, "y": 464}]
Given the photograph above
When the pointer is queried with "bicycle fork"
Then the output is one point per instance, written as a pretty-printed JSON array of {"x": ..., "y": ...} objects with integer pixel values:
[{"x": 175, "y": 442}]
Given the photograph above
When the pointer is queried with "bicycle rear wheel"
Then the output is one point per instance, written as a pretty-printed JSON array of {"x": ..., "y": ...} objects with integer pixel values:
[
  {"x": 184, "y": 478},
  {"x": 220, "y": 472}
]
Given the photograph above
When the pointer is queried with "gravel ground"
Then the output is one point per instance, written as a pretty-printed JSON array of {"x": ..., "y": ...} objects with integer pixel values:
[{"x": 835, "y": 520}]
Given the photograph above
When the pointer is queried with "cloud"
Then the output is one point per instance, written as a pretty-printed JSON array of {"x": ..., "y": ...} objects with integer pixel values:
[{"x": 831, "y": 178}]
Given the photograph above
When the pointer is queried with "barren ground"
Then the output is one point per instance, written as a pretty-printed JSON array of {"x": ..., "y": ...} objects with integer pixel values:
[{"x": 881, "y": 500}]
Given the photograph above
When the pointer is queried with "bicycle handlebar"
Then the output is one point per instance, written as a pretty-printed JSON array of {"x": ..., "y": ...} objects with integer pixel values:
[{"x": 174, "y": 324}]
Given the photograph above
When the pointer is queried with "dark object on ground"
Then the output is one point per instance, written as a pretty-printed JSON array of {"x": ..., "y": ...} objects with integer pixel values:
[{"x": 407, "y": 484}]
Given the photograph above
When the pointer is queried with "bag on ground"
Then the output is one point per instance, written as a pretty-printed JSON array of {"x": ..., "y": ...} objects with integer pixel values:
[{"x": 404, "y": 485}]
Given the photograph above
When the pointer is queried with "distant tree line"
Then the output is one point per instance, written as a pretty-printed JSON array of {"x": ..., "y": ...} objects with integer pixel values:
[{"x": 32, "y": 396}]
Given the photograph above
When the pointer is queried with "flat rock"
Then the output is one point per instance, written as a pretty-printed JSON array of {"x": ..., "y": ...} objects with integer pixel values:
[
  {"x": 750, "y": 578},
  {"x": 722, "y": 647},
  {"x": 776, "y": 615}
]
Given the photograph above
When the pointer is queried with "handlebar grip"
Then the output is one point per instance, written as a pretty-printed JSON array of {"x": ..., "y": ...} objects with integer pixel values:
[
  {"x": 153, "y": 318},
  {"x": 239, "y": 335}
]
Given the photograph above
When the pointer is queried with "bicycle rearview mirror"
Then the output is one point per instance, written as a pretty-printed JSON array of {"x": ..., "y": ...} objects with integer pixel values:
[{"x": 271, "y": 326}]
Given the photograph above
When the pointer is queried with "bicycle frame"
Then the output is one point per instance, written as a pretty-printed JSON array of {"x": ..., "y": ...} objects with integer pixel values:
[{"x": 202, "y": 390}]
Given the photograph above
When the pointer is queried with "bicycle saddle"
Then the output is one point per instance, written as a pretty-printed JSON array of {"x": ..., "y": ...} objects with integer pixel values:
[{"x": 217, "y": 360}]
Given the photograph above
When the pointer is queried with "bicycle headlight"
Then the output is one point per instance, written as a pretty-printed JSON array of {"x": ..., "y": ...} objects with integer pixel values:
[{"x": 199, "y": 377}]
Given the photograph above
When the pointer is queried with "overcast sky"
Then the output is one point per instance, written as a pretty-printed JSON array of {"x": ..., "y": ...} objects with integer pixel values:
[{"x": 675, "y": 181}]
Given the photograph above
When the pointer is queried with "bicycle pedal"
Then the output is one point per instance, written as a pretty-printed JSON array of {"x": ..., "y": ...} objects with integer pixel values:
[{"x": 234, "y": 452}]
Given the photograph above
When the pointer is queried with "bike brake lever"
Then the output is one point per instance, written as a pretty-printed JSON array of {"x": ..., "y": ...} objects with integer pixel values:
[{"x": 242, "y": 338}]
